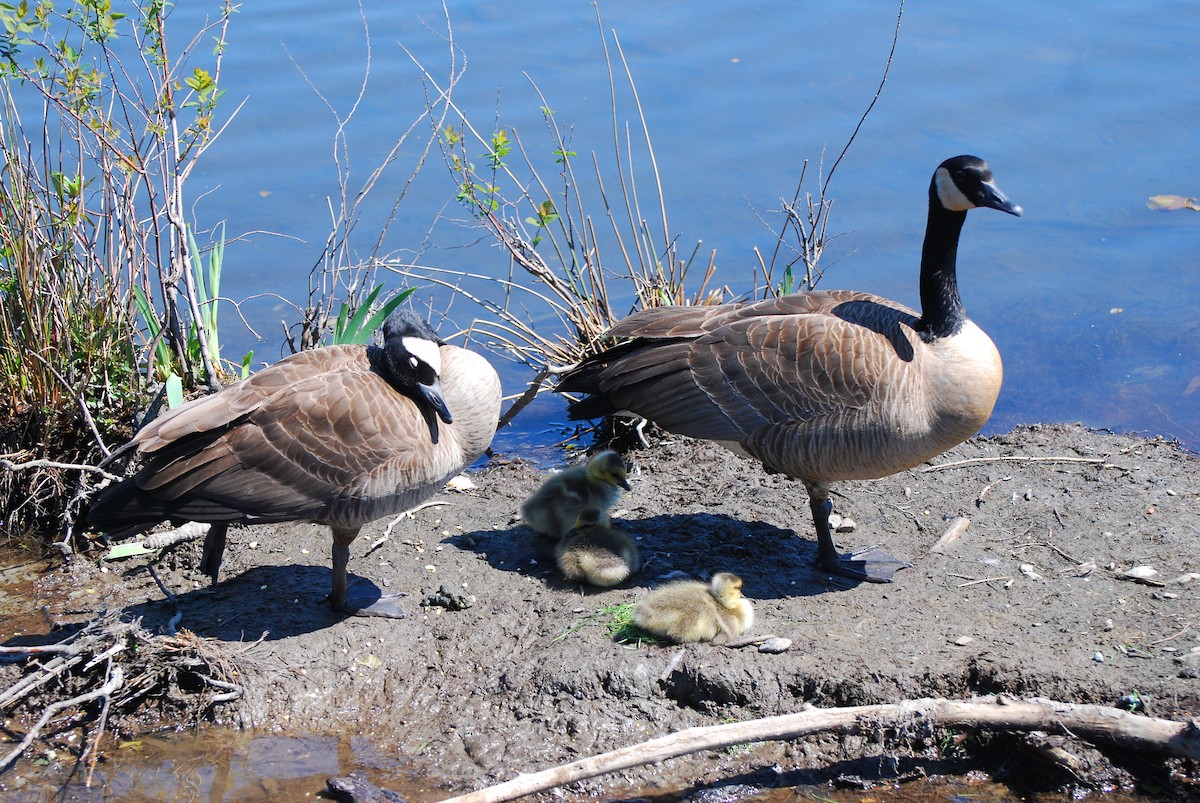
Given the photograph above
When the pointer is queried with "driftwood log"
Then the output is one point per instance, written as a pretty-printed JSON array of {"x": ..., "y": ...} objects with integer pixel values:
[{"x": 1090, "y": 722}]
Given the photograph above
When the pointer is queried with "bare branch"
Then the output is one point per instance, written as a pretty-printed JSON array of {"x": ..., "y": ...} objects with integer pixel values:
[{"x": 1092, "y": 722}]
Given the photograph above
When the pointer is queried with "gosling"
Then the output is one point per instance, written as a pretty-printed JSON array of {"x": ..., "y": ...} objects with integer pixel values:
[
  {"x": 692, "y": 611},
  {"x": 597, "y": 554},
  {"x": 553, "y": 508}
]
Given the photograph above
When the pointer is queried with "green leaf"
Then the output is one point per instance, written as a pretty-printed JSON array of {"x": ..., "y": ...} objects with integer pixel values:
[
  {"x": 359, "y": 328},
  {"x": 128, "y": 550},
  {"x": 349, "y": 332},
  {"x": 387, "y": 309},
  {"x": 174, "y": 385},
  {"x": 162, "y": 352}
]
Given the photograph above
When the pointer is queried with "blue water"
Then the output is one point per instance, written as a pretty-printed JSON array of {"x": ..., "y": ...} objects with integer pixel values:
[{"x": 1092, "y": 298}]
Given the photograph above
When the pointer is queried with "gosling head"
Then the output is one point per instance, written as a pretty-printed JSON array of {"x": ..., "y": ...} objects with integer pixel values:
[
  {"x": 608, "y": 467},
  {"x": 726, "y": 588},
  {"x": 965, "y": 182}
]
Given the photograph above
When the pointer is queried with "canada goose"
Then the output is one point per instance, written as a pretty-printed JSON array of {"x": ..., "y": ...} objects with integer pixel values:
[
  {"x": 693, "y": 611},
  {"x": 554, "y": 507},
  {"x": 597, "y": 553},
  {"x": 823, "y": 385},
  {"x": 338, "y": 436}
]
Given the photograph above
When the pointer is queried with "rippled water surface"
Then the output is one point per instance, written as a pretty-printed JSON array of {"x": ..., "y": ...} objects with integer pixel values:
[{"x": 1092, "y": 298}]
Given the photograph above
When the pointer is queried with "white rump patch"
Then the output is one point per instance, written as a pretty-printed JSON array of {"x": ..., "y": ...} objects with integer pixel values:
[
  {"x": 426, "y": 351},
  {"x": 948, "y": 192}
]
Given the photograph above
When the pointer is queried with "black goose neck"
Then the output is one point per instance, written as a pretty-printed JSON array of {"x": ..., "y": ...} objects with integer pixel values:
[
  {"x": 942, "y": 311},
  {"x": 380, "y": 364},
  {"x": 383, "y": 364}
]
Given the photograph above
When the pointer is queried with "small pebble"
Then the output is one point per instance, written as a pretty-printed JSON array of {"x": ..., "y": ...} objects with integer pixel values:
[
  {"x": 775, "y": 645},
  {"x": 461, "y": 483},
  {"x": 963, "y": 641},
  {"x": 1098, "y": 657},
  {"x": 1108, "y": 624},
  {"x": 842, "y": 524}
]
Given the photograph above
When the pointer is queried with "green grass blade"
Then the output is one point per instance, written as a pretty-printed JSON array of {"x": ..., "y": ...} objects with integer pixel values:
[
  {"x": 387, "y": 309},
  {"x": 353, "y": 333},
  {"x": 162, "y": 353}
]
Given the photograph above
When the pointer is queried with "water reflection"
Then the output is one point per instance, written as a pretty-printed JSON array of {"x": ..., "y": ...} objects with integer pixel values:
[{"x": 221, "y": 765}]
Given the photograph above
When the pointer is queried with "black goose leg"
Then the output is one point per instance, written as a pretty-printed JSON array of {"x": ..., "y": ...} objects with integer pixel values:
[
  {"x": 871, "y": 565},
  {"x": 214, "y": 551},
  {"x": 387, "y": 605}
]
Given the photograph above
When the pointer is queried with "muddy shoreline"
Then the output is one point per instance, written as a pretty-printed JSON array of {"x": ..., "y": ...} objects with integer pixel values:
[{"x": 1033, "y": 600}]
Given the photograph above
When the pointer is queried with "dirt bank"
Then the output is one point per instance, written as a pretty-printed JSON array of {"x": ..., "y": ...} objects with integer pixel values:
[{"x": 1030, "y": 601}]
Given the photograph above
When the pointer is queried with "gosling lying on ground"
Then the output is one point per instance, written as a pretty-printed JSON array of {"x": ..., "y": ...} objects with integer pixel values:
[
  {"x": 693, "y": 611},
  {"x": 553, "y": 508},
  {"x": 598, "y": 553}
]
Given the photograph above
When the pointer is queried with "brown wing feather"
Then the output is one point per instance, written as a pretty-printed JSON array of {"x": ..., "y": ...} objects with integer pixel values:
[
  {"x": 723, "y": 373},
  {"x": 318, "y": 436},
  {"x": 210, "y": 413}
]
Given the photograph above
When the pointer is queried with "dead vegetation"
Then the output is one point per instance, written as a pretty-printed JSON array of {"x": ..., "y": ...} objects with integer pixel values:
[{"x": 113, "y": 677}]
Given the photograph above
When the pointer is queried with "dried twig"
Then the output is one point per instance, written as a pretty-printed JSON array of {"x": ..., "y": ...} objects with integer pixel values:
[
  {"x": 974, "y": 461},
  {"x": 956, "y": 529},
  {"x": 9, "y": 465},
  {"x": 114, "y": 682},
  {"x": 988, "y": 579},
  {"x": 747, "y": 641},
  {"x": 987, "y": 489},
  {"x": 408, "y": 514}
]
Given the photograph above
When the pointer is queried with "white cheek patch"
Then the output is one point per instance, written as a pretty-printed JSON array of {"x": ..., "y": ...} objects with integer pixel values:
[
  {"x": 426, "y": 351},
  {"x": 948, "y": 192}
]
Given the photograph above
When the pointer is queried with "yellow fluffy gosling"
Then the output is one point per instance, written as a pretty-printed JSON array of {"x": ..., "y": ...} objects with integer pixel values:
[
  {"x": 693, "y": 611},
  {"x": 598, "y": 553}
]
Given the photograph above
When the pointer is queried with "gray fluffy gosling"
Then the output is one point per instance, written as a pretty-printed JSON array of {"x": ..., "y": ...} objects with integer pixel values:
[{"x": 554, "y": 507}]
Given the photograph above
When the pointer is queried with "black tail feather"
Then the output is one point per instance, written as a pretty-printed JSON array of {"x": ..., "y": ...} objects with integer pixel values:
[
  {"x": 590, "y": 408},
  {"x": 123, "y": 511}
]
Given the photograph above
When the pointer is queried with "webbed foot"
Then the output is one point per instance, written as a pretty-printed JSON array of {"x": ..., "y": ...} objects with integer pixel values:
[
  {"x": 386, "y": 605},
  {"x": 871, "y": 565}
]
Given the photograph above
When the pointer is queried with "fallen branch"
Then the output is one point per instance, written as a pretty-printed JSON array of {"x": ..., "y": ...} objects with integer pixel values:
[{"x": 1090, "y": 722}]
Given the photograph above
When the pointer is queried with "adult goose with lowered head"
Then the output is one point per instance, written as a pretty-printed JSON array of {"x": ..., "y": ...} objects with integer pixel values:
[
  {"x": 338, "y": 436},
  {"x": 823, "y": 385}
]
